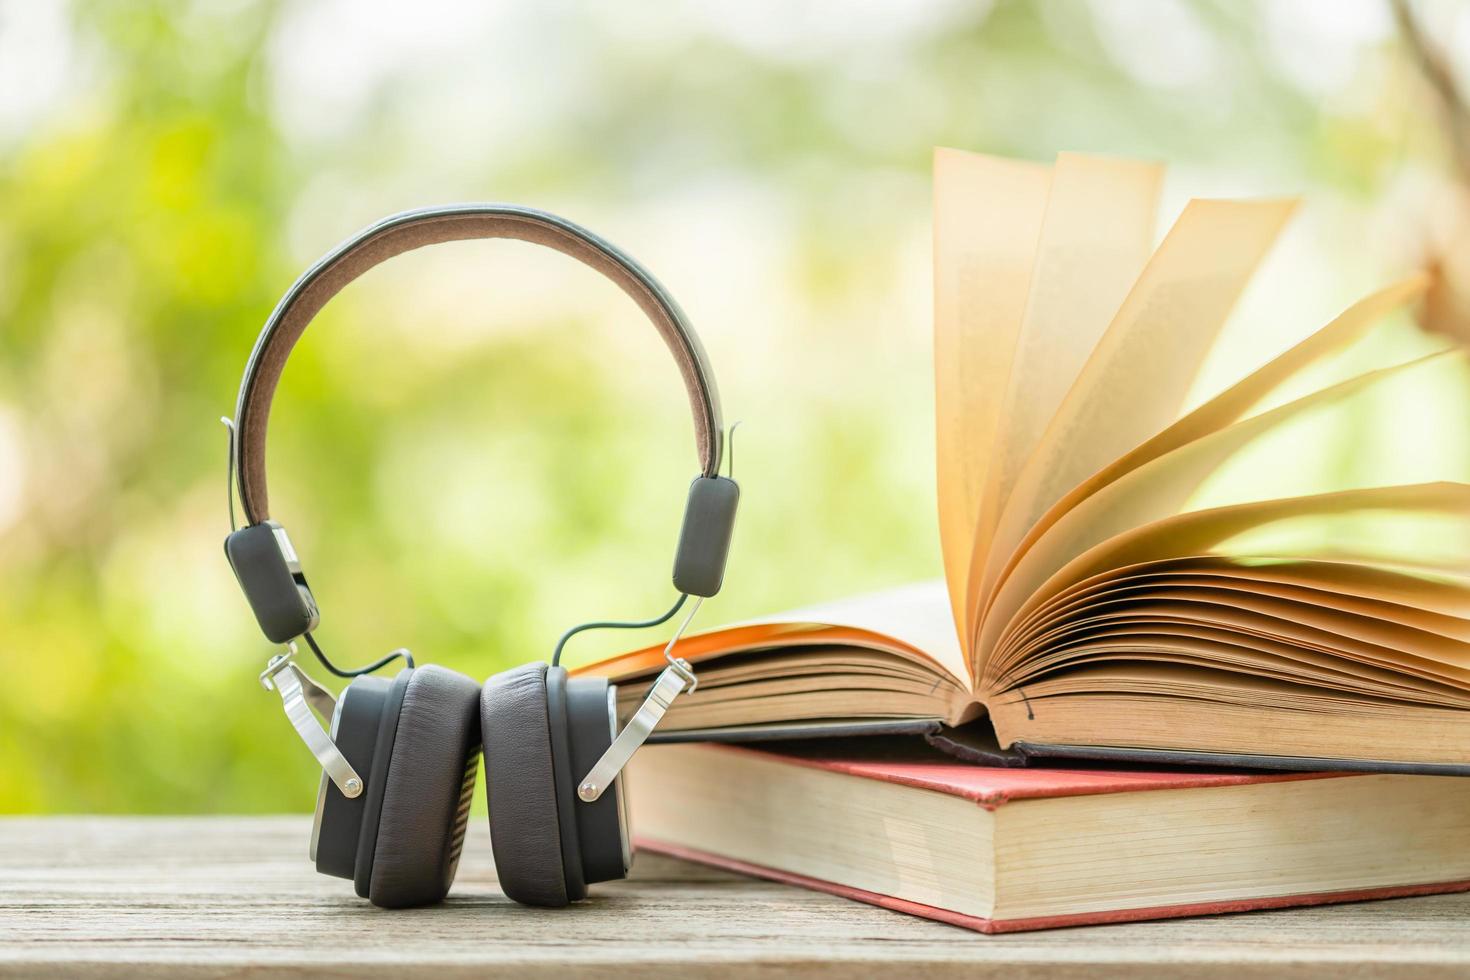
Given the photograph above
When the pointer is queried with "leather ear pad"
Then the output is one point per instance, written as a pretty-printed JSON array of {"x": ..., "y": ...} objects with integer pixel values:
[
  {"x": 525, "y": 831},
  {"x": 426, "y": 796}
]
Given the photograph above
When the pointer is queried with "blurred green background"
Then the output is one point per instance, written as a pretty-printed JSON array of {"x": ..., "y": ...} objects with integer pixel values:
[{"x": 480, "y": 445}]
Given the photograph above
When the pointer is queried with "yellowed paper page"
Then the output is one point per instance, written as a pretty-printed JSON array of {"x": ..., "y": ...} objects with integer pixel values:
[
  {"x": 1225, "y": 409},
  {"x": 1431, "y": 591},
  {"x": 1095, "y": 238},
  {"x": 1426, "y": 590},
  {"x": 1101, "y": 601},
  {"x": 1191, "y": 709},
  {"x": 912, "y": 614},
  {"x": 1135, "y": 382},
  {"x": 1310, "y": 625},
  {"x": 1162, "y": 486},
  {"x": 987, "y": 216},
  {"x": 1042, "y": 649},
  {"x": 910, "y": 621},
  {"x": 1443, "y": 506},
  {"x": 1197, "y": 643}
]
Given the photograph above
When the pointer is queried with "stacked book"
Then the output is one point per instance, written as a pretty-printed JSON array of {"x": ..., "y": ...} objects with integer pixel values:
[
  {"x": 1187, "y": 656},
  {"x": 1001, "y": 850}
]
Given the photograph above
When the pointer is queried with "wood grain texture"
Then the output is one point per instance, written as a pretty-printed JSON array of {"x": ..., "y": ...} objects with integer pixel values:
[{"x": 236, "y": 897}]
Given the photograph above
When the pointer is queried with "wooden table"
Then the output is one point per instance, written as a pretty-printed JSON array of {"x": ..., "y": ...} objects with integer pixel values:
[{"x": 216, "y": 897}]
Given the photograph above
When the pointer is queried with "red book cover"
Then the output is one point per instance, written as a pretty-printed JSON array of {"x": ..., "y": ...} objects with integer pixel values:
[{"x": 993, "y": 788}]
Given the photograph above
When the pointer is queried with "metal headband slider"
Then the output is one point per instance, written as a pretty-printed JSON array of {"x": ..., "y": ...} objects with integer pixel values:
[
  {"x": 300, "y": 695},
  {"x": 670, "y": 684},
  {"x": 674, "y": 680}
]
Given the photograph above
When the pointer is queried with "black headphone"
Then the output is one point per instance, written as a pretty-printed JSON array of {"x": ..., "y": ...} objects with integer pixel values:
[{"x": 399, "y": 757}]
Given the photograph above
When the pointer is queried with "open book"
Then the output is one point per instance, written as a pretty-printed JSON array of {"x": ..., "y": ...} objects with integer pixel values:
[{"x": 1124, "y": 578}]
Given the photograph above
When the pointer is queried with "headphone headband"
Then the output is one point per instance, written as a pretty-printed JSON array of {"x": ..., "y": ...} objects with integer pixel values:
[
  {"x": 428, "y": 226},
  {"x": 399, "y": 754}
]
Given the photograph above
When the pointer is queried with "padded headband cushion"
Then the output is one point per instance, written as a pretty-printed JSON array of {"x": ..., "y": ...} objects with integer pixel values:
[
  {"x": 520, "y": 785},
  {"x": 413, "y": 229},
  {"x": 426, "y": 797}
]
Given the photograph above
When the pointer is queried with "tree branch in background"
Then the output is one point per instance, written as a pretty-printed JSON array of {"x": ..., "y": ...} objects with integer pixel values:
[
  {"x": 1439, "y": 73},
  {"x": 1446, "y": 308}
]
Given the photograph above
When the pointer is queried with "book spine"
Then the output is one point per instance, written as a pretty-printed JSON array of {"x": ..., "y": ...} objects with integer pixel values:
[{"x": 976, "y": 744}]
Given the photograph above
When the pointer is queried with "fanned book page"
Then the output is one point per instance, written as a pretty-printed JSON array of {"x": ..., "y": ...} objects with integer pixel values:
[{"x": 1279, "y": 576}]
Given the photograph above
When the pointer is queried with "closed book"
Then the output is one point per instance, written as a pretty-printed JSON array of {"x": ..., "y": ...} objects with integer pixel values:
[{"x": 1002, "y": 850}]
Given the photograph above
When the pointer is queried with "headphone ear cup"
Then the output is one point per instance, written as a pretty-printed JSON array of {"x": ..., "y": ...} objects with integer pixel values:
[
  {"x": 520, "y": 785},
  {"x": 428, "y": 789}
]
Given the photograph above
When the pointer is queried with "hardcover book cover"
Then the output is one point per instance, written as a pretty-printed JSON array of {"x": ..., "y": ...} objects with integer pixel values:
[{"x": 1001, "y": 850}]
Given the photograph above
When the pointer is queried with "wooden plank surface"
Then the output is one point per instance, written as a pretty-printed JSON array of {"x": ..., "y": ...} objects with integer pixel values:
[{"x": 233, "y": 897}]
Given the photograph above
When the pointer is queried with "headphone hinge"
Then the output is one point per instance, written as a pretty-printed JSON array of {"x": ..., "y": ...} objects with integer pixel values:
[
  {"x": 674, "y": 680},
  {"x": 300, "y": 696}
]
